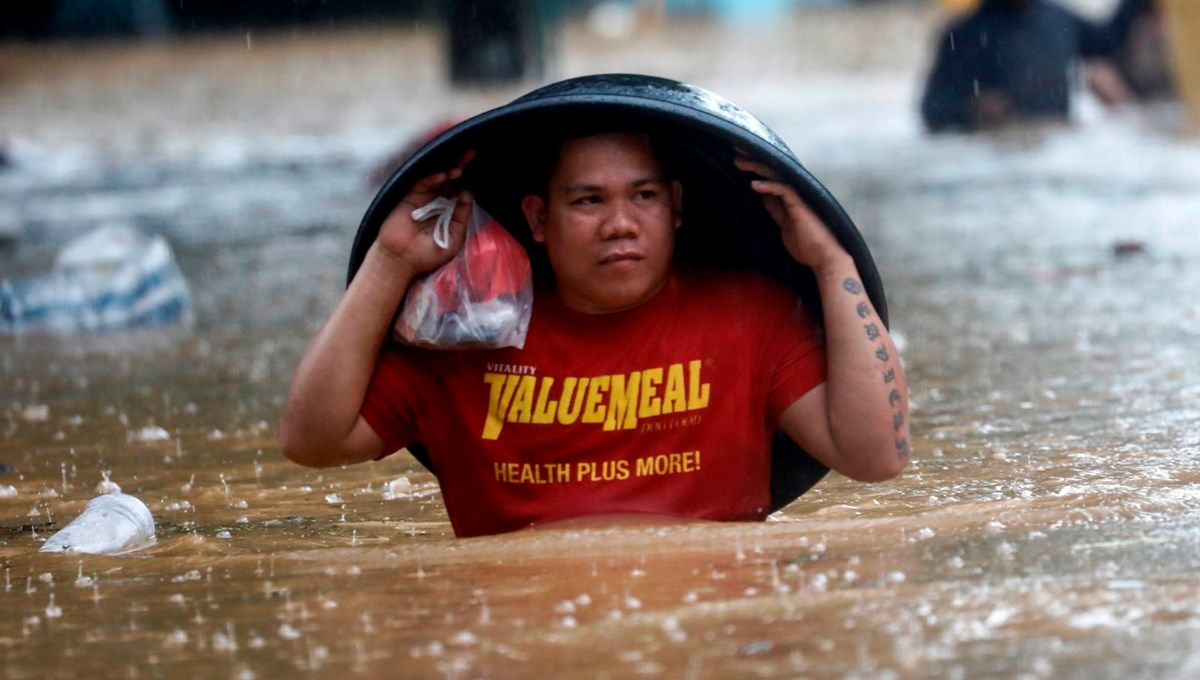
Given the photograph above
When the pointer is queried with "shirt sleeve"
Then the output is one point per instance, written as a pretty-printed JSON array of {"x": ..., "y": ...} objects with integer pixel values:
[
  {"x": 796, "y": 348},
  {"x": 389, "y": 406}
]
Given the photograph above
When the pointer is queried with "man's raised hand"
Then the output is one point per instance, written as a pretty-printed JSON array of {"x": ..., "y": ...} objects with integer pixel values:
[
  {"x": 805, "y": 235},
  {"x": 411, "y": 243}
]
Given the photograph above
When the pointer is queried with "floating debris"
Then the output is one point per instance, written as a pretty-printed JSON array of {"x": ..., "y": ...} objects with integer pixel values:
[
  {"x": 150, "y": 433},
  {"x": 110, "y": 524},
  {"x": 35, "y": 413}
]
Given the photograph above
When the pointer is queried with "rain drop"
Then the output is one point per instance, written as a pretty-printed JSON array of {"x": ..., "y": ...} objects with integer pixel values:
[
  {"x": 53, "y": 611},
  {"x": 106, "y": 485}
]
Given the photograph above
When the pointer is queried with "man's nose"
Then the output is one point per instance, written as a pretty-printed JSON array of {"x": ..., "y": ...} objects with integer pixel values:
[{"x": 621, "y": 222}]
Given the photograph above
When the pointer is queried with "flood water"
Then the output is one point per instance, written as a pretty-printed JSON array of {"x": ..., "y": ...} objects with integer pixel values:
[{"x": 1044, "y": 282}]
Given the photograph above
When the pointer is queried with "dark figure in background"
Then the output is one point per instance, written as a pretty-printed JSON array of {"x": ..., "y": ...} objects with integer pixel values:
[
  {"x": 1015, "y": 59},
  {"x": 1143, "y": 60},
  {"x": 496, "y": 41}
]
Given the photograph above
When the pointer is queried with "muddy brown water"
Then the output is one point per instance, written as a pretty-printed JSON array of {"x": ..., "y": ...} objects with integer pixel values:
[{"x": 1044, "y": 283}]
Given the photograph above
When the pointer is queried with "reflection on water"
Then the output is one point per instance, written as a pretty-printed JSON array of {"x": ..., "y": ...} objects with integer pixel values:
[{"x": 1049, "y": 525}]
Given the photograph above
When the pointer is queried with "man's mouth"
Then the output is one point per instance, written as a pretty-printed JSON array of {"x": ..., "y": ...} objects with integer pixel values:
[{"x": 620, "y": 256}]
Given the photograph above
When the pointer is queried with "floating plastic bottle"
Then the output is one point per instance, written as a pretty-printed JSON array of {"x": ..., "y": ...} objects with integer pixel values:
[{"x": 109, "y": 525}]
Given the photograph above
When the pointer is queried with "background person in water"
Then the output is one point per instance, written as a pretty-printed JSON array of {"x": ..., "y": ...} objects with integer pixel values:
[
  {"x": 1014, "y": 60},
  {"x": 642, "y": 388}
]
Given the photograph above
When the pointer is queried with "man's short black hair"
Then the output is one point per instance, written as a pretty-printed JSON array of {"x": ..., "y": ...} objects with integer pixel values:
[{"x": 544, "y": 157}]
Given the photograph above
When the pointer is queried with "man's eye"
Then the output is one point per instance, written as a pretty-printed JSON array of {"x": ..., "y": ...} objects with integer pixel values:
[
  {"x": 646, "y": 195},
  {"x": 587, "y": 200}
]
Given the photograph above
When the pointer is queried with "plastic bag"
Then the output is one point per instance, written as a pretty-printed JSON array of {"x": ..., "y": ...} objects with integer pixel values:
[
  {"x": 112, "y": 278},
  {"x": 480, "y": 299}
]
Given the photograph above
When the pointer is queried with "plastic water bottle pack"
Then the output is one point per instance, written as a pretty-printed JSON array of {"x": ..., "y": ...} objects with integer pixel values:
[{"x": 112, "y": 278}]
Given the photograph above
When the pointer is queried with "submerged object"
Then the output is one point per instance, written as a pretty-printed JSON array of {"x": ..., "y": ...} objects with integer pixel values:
[
  {"x": 699, "y": 134},
  {"x": 109, "y": 525},
  {"x": 112, "y": 278}
]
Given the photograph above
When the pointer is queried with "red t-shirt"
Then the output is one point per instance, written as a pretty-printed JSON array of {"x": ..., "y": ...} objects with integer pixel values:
[{"x": 666, "y": 408}]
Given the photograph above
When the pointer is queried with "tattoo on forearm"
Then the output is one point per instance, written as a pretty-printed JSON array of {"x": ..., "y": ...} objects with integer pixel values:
[{"x": 874, "y": 334}]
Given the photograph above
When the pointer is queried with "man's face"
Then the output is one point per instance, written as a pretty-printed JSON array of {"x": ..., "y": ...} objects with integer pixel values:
[{"x": 608, "y": 222}]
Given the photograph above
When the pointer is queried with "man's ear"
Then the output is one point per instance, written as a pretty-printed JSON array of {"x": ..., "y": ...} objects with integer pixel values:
[
  {"x": 535, "y": 214},
  {"x": 677, "y": 201}
]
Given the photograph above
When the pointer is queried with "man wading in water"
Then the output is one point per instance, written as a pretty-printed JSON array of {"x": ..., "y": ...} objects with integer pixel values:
[{"x": 643, "y": 389}]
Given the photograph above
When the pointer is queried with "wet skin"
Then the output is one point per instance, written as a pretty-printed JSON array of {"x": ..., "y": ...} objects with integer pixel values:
[{"x": 608, "y": 222}]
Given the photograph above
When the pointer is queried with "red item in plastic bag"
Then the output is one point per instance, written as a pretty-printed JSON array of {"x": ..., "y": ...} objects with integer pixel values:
[{"x": 482, "y": 298}]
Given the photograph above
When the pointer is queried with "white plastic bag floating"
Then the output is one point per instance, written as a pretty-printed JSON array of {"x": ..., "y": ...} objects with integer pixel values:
[
  {"x": 112, "y": 278},
  {"x": 109, "y": 525}
]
